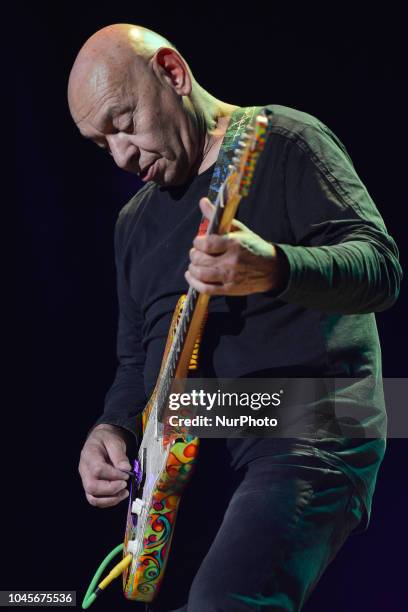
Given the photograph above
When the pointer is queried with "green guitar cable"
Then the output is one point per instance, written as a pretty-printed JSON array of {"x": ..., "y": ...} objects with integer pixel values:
[{"x": 93, "y": 593}]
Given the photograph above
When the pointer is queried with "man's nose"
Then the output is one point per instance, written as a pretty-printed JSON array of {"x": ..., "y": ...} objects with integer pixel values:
[{"x": 125, "y": 153}]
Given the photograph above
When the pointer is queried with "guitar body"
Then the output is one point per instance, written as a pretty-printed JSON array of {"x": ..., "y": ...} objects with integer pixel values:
[
  {"x": 168, "y": 464},
  {"x": 154, "y": 529}
]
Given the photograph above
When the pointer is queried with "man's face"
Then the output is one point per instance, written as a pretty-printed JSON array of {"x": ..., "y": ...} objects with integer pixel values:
[{"x": 143, "y": 124}]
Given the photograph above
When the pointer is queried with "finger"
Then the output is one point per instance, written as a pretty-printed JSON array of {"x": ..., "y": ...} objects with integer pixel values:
[
  {"x": 207, "y": 208},
  {"x": 202, "y": 259},
  {"x": 95, "y": 466},
  {"x": 106, "y": 502},
  {"x": 206, "y": 274},
  {"x": 206, "y": 288},
  {"x": 104, "y": 488},
  {"x": 108, "y": 472},
  {"x": 212, "y": 244},
  {"x": 116, "y": 449},
  {"x": 237, "y": 225}
]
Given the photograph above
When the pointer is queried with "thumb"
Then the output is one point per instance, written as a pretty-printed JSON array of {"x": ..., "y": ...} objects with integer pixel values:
[
  {"x": 116, "y": 450},
  {"x": 207, "y": 208},
  {"x": 237, "y": 226}
]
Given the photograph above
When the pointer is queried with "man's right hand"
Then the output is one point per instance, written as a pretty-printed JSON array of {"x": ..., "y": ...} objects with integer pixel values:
[{"x": 103, "y": 453}]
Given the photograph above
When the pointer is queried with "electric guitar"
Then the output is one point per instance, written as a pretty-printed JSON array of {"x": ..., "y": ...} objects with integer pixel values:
[{"x": 166, "y": 459}]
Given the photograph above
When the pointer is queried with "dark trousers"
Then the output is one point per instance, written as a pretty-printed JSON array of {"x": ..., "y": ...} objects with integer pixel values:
[{"x": 278, "y": 524}]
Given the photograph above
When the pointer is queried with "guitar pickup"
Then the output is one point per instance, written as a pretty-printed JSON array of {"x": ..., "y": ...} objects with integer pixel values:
[{"x": 137, "y": 506}]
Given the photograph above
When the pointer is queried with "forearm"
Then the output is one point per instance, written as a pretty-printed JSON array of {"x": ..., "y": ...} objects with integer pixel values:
[{"x": 352, "y": 277}]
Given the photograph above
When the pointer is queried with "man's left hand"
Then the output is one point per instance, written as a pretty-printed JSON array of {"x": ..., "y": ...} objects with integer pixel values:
[{"x": 237, "y": 263}]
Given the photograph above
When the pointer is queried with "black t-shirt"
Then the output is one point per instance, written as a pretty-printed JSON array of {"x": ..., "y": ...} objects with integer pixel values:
[{"x": 308, "y": 199}]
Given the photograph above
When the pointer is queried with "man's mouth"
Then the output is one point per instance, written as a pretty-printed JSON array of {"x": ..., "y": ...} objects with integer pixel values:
[{"x": 145, "y": 174}]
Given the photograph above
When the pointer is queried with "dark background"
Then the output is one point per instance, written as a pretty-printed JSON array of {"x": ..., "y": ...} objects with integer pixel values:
[{"x": 347, "y": 69}]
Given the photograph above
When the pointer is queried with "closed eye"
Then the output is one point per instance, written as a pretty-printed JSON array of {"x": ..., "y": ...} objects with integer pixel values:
[{"x": 123, "y": 123}]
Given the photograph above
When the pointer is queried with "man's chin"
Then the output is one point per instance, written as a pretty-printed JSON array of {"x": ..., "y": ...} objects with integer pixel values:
[{"x": 171, "y": 177}]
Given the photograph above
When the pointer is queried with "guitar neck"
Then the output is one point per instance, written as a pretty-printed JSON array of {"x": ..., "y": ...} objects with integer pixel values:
[
  {"x": 194, "y": 310},
  {"x": 195, "y": 305}
]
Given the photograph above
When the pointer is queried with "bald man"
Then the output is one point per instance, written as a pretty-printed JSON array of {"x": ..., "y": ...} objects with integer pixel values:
[{"x": 294, "y": 287}]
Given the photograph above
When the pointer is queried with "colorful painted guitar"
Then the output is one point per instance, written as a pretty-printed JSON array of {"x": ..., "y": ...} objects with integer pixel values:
[{"x": 166, "y": 460}]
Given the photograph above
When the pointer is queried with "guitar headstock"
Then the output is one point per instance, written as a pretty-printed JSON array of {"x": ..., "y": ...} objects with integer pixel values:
[{"x": 246, "y": 156}]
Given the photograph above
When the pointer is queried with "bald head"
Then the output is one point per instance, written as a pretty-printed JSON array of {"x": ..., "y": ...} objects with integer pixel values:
[
  {"x": 132, "y": 93},
  {"x": 109, "y": 58}
]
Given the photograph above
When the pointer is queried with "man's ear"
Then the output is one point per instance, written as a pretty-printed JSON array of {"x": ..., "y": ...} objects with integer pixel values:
[{"x": 170, "y": 66}]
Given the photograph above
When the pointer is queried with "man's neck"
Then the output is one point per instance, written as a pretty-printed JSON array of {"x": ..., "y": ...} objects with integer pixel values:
[{"x": 213, "y": 139}]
